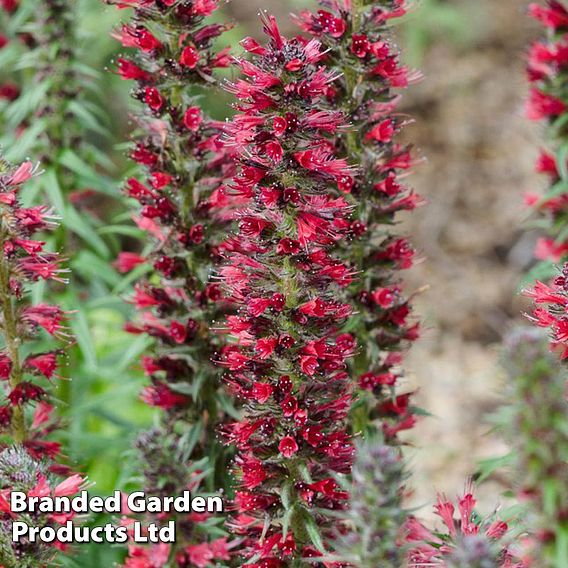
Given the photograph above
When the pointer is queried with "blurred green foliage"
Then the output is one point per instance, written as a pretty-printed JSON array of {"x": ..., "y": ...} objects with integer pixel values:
[{"x": 437, "y": 21}]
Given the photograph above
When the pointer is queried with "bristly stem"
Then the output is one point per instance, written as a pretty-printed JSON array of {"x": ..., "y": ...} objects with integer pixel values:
[{"x": 11, "y": 340}]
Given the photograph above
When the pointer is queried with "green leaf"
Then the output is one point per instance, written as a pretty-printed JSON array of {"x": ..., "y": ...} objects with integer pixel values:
[
  {"x": 126, "y": 230},
  {"x": 286, "y": 494},
  {"x": 561, "y": 161},
  {"x": 286, "y": 519},
  {"x": 190, "y": 439},
  {"x": 53, "y": 190},
  {"x": 542, "y": 271},
  {"x": 129, "y": 278},
  {"x": 87, "y": 174},
  {"x": 82, "y": 332},
  {"x": 89, "y": 120},
  {"x": 135, "y": 349},
  {"x": 562, "y": 546},
  {"x": 27, "y": 103},
  {"x": 75, "y": 222},
  {"x": 489, "y": 466},
  {"x": 91, "y": 266},
  {"x": 313, "y": 532},
  {"x": 226, "y": 404},
  {"x": 20, "y": 148}
]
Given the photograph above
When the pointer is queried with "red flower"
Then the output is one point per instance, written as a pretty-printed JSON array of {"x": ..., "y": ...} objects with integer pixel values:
[
  {"x": 128, "y": 261},
  {"x": 199, "y": 555},
  {"x": 9, "y": 91},
  {"x": 192, "y": 118},
  {"x": 129, "y": 70},
  {"x": 382, "y": 132},
  {"x": 288, "y": 446},
  {"x": 554, "y": 16},
  {"x": 25, "y": 392},
  {"x": 360, "y": 45},
  {"x": 546, "y": 164},
  {"x": 189, "y": 57},
  {"x": 44, "y": 363},
  {"x": 163, "y": 397},
  {"x": 261, "y": 392},
  {"x": 547, "y": 249},
  {"x": 435, "y": 548},
  {"x": 153, "y": 98},
  {"x": 253, "y": 472},
  {"x": 5, "y": 367},
  {"x": 42, "y": 315},
  {"x": 541, "y": 106},
  {"x": 138, "y": 37}
]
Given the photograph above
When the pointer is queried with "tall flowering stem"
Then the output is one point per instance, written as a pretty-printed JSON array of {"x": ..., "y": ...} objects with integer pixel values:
[
  {"x": 537, "y": 429},
  {"x": 359, "y": 49},
  {"x": 287, "y": 362},
  {"x": 376, "y": 514},
  {"x": 547, "y": 71},
  {"x": 52, "y": 39},
  {"x": 44, "y": 113},
  {"x": 29, "y": 457},
  {"x": 537, "y": 425},
  {"x": 185, "y": 214},
  {"x": 23, "y": 261}
]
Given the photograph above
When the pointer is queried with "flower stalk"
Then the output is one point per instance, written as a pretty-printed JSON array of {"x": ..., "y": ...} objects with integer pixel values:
[{"x": 11, "y": 340}]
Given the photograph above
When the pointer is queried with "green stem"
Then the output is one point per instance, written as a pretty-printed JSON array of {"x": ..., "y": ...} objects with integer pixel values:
[
  {"x": 11, "y": 340},
  {"x": 355, "y": 15},
  {"x": 351, "y": 78}
]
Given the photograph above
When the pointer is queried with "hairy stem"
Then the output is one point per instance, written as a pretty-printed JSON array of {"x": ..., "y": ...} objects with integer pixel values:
[{"x": 12, "y": 341}]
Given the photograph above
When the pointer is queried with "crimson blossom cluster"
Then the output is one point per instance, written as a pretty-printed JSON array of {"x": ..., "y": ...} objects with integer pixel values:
[
  {"x": 361, "y": 52},
  {"x": 468, "y": 541},
  {"x": 184, "y": 212},
  {"x": 548, "y": 99},
  {"x": 551, "y": 310},
  {"x": 287, "y": 362}
]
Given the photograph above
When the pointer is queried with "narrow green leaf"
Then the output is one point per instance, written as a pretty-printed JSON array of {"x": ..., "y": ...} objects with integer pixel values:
[
  {"x": 53, "y": 190},
  {"x": 82, "y": 332},
  {"x": 75, "y": 222},
  {"x": 313, "y": 532}
]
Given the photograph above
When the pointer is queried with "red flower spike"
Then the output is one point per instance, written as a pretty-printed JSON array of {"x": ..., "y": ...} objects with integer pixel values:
[
  {"x": 182, "y": 205},
  {"x": 24, "y": 258},
  {"x": 283, "y": 275}
]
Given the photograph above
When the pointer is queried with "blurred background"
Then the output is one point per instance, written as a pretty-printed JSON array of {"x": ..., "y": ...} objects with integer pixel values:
[{"x": 478, "y": 153}]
